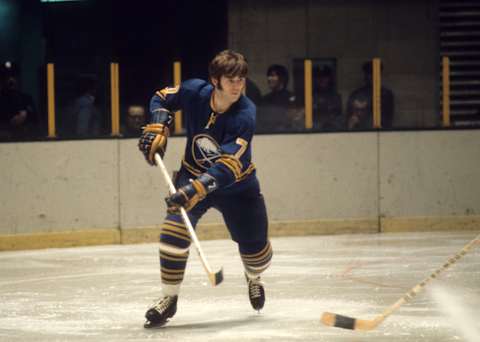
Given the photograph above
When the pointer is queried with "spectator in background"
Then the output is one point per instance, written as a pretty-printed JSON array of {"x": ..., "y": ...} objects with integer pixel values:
[
  {"x": 134, "y": 121},
  {"x": 360, "y": 108},
  {"x": 18, "y": 116},
  {"x": 273, "y": 112},
  {"x": 277, "y": 79},
  {"x": 327, "y": 102},
  {"x": 85, "y": 115}
]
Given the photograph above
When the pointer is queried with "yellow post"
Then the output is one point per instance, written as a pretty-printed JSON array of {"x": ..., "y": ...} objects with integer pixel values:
[
  {"x": 51, "y": 99},
  {"x": 177, "y": 79},
  {"x": 308, "y": 94},
  {"x": 446, "y": 91},
  {"x": 115, "y": 99},
  {"x": 377, "y": 102}
]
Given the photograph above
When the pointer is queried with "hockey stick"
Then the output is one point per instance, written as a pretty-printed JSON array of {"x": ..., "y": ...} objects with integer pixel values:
[
  {"x": 345, "y": 322},
  {"x": 215, "y": 277}
]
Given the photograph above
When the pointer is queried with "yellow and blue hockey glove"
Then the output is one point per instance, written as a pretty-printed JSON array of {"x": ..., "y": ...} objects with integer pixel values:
[
  {"x": 189, "y": 195},
  {"x": 153, "y": 140}
]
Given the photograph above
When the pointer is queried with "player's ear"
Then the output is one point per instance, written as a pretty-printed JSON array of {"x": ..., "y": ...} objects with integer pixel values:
[{"x": 214, "y": 81}]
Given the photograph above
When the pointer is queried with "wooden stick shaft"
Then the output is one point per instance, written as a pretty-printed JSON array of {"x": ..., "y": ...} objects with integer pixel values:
[
  {"x": 345, "y": 322},
  {"x": 184, "y": 214},
  {"x": 420, "y": 286}
]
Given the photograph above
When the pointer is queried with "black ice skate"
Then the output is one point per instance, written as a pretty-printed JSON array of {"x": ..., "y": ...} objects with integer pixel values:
[
  {"x": 256, "y": 292},
  {"x": 161, "y": 311}
]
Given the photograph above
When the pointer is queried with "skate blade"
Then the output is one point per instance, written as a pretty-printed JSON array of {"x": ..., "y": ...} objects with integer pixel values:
[{"x": 151, "y": 325}]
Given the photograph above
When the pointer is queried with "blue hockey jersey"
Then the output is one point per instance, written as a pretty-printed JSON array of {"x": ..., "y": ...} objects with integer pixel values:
[{"x": 219, "y": 144}]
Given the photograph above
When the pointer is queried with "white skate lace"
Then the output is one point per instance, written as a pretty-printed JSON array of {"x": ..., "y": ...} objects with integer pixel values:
[
  {"x": 162, "y": 304},
  {"x": 255, "y": 286}
]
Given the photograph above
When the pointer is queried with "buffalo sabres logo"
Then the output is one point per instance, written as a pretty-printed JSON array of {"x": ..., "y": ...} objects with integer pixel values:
[{"x": 205, "y": 150}]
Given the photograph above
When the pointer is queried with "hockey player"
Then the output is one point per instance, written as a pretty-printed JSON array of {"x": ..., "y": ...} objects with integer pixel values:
[{"x": 216, "y": 171}]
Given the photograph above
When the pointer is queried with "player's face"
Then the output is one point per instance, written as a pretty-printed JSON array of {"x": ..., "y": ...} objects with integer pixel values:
[{"x": 232, "y": 87}]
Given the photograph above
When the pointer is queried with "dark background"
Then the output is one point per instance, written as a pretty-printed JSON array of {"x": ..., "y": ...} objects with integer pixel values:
[{"x": 82, "y": 38}]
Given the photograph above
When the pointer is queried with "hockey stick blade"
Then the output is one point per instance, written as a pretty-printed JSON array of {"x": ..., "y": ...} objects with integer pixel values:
[
  {"x": 216, "y": 278},
  {"x": 345, "y": 322}
]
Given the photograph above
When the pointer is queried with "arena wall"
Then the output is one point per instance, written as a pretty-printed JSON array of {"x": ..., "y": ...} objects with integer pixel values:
[
  {"x": 402, "y": 33},
  {"x": 101, "y": 191}
]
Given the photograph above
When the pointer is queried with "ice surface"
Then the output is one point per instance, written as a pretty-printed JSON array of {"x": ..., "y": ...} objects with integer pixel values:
[
  {"x": 101, "y": 293},
  {"x": 458, "y": 312}
]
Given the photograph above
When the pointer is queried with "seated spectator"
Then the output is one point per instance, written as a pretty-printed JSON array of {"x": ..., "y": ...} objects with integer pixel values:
[
  {"x": 277, "y": 79},
  {"x": 134, "y": 121},
  {"x": 327, "y": 103},
  {"x": 360, "y": 108},
  {"x": 274, "y": 106},
  {"x": 85, "y": 117},
  {"x": 18, "y": 116}
]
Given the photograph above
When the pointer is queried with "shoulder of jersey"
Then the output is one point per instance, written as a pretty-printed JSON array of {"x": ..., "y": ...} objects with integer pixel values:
[
  {"x": 245, "y": 116},
  {"x": 247, "y": 107},
  {"x": 196, "y": 85}
]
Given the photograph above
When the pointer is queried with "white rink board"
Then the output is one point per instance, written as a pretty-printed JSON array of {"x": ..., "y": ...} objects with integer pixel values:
[{"x": 73, "y": 185}]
